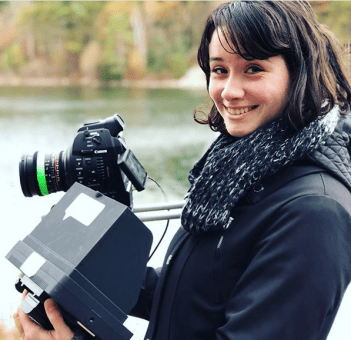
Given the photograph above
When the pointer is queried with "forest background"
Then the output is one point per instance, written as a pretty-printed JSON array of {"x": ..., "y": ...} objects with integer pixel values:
[{"x": 116, "y": 42}]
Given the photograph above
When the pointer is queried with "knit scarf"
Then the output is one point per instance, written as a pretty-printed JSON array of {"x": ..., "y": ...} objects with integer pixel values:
[{"x": 231, "y": 166}]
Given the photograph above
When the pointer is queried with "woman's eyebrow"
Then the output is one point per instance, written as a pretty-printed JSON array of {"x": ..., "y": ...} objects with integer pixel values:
[{"x": 216, "y": 59}]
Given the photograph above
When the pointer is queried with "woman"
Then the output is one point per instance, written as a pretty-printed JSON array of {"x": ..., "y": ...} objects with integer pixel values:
[{"x": 264, "y": 250}]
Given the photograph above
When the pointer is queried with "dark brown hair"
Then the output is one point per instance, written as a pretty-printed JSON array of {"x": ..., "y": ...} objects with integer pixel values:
[{"x": 263, "y": 29}]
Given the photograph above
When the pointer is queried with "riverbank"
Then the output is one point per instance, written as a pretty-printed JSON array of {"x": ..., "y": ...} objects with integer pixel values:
[{"x": 193, "y": 79}]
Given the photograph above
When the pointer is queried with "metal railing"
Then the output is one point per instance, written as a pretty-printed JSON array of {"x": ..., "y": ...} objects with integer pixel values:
[{"x": 159, "y": 211}]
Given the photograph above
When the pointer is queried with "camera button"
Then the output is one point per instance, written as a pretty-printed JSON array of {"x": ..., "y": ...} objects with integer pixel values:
[{"x": 97, "y": 139}]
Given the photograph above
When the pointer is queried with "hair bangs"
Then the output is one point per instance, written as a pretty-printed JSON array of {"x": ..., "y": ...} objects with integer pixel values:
[{"x": 250, "y": 32}]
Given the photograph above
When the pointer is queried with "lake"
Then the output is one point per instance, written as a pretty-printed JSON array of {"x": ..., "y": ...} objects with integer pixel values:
[{"x": 159, "y": 130}]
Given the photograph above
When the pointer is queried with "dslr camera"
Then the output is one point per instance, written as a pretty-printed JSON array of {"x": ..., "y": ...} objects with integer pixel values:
[{"x": 98, "y": 158}]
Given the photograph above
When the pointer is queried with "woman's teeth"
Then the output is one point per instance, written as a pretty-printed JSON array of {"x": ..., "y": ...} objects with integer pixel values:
[{"x": 239, "y": 111}]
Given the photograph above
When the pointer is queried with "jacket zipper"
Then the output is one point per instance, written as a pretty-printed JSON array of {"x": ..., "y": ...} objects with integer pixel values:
[{"x": 217, "y": 275}]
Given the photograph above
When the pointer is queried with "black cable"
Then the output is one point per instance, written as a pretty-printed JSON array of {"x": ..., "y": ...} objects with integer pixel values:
[{"x": 167, "y": 225}]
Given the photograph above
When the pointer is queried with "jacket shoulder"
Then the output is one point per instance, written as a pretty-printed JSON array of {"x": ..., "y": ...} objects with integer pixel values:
[
  {"x": 335, "y": 189},
  {"x": 301, "y": 180}
]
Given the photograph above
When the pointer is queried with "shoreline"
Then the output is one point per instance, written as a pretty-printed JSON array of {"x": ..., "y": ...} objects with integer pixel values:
[{"x": 194, "y": 79}]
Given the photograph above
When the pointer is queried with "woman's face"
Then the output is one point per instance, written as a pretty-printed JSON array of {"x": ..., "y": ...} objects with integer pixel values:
[{"x": 247, "y": 94}]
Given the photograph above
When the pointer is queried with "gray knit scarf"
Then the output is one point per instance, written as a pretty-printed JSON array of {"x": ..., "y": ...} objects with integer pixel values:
[{"x": 231, "y": 166}]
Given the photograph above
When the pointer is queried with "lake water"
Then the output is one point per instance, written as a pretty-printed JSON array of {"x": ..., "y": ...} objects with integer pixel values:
[{"x": 159, "y": 130}]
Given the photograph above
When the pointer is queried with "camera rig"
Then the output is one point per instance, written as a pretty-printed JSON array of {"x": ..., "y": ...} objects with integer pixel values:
[{"x": 90, "y": 252}]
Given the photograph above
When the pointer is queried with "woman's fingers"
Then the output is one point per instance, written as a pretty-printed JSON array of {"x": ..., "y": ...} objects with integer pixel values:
[
  {"x": 18, "y": 324},
  {"x": 24, "y": 294},
  {"x": 61, "y": 330},
  {"x": 16, "y": 317},
  {"x": 30, "y": 330}
]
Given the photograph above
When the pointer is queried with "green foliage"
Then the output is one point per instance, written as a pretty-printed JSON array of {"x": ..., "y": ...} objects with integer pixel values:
[
  {"x": 62, "y": 30},
  {"x": 117, "y": 36},
  {"x": 70, "y": 21},
  {"x": 174, "y": 35},
  {"x": 13, "y": 58},
  {"x": 336, "y": 15},
  {"x": 110, "y": 72},
  {"x": 157, "y": 55},
  {"x": 3, "y": 4},
  {"x": 135, "y": 38},
  {"x": 74, "y": 46},
  {"x": 177, "y": 64}
]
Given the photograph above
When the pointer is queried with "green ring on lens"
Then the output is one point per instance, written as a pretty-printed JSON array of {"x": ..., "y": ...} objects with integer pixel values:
[{"x": 41, "y": 175}]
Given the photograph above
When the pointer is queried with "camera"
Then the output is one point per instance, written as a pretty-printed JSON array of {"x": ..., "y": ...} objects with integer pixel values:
[
  {"x": 98, "y": 158},
  {"x": 89, "y": 253}
]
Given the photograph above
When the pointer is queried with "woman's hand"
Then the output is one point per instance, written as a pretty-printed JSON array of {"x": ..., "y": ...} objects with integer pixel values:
[{"x": 32, "y": 331}]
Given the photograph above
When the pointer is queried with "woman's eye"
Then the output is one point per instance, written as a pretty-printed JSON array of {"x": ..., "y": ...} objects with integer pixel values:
[
  {"x": 254, "y": 69},
  {"x": 219, "y": 70}
]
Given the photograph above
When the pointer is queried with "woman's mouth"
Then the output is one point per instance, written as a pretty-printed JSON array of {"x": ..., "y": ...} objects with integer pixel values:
[{"x": 241, "y": 110}]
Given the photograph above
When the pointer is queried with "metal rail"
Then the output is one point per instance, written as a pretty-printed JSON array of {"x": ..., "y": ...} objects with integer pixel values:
[{"x": 159, "y": 211}]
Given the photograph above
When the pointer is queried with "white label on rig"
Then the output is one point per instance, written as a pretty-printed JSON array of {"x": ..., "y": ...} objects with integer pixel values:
[
  {"x": 84, "y": 209},
  {"x": 32, "y": 264}
]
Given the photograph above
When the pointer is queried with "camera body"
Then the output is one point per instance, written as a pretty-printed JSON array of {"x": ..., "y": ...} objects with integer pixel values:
[{"x": 99, "y": 158}]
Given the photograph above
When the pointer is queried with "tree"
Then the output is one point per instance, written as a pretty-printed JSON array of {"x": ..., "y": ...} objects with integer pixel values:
[
  {"x": 65, "y": 26},
  {"x": 336, "y": 15},
  {"x": 116, "y": 38}
]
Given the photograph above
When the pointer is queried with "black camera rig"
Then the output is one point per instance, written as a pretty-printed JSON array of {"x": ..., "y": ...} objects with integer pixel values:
[{"x": 90, "y": 252}]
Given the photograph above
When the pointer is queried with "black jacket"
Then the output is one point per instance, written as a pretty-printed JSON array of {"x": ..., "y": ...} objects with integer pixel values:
[{"x": 278, "y": 272}]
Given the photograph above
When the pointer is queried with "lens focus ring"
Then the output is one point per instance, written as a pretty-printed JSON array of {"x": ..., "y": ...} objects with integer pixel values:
[{"x": 40, "y": 175}]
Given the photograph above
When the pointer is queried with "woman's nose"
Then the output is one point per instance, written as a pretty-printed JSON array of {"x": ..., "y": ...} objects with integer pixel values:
[{"x": 233, "y": 89}]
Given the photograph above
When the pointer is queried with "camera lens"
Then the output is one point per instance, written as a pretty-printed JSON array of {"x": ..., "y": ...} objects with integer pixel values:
[{"x": 42, "y": 174}]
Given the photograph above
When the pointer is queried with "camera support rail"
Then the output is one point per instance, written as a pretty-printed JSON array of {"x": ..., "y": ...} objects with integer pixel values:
[{"x": 159, "y": 211}]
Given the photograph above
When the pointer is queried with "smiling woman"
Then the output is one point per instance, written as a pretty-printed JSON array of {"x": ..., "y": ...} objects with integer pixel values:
[
  {"x": 247, "y": 93},
  {"x": 260, "y": 31}
]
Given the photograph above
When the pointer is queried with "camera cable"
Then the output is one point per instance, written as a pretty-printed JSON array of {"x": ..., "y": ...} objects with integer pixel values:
[{"x": 167, "y": 224}]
